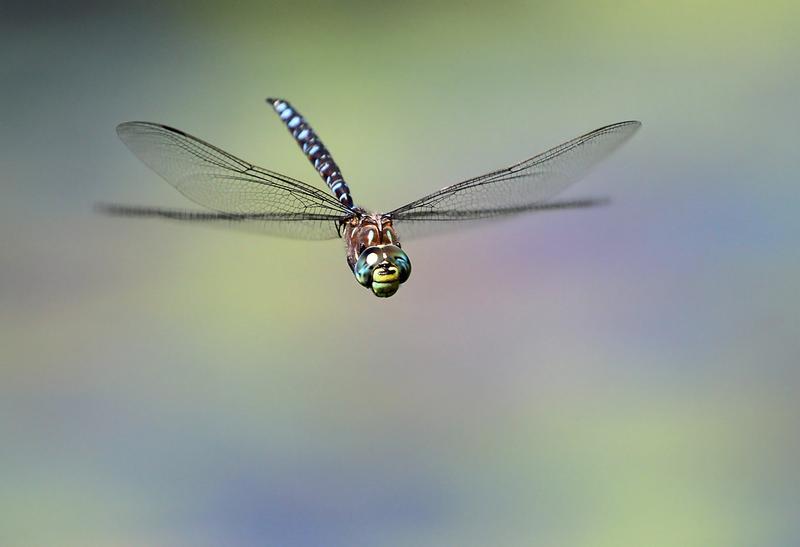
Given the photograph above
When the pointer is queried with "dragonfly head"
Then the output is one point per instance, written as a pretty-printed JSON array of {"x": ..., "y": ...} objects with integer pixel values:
[{"x": 382, "y": 268}]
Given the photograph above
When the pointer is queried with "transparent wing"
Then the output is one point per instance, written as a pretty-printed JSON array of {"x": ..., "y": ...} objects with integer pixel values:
[
  {"x": 297, "y": 225},
  {"x": 243, "y": 195},
  {"x": 524, "y": 187}
]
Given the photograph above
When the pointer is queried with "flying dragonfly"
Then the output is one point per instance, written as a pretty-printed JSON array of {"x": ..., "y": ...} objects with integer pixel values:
[{"x": 242, "y": 195}]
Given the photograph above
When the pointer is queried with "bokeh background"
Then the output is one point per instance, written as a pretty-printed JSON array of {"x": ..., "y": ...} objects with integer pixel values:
[{"x": 626, "y": 375}]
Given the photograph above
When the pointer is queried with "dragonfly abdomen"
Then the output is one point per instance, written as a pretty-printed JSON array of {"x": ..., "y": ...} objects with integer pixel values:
[{"x": 314, "y": 149}]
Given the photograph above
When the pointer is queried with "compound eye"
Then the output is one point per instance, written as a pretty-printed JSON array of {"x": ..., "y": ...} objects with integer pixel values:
[
  {"x": 404, "y": 265},
  {"x": 366, "y": 262}
]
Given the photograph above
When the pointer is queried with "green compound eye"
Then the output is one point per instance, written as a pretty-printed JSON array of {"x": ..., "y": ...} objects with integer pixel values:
[
  {"x": 400, "y": 259},
  {"x": 382, "y": 268},
  {"x": 365, "y": 264}
]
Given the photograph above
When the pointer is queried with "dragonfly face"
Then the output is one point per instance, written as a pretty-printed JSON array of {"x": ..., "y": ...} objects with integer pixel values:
[
  {"x": 374, "y": 254},
  {"x": 382, "y": 268},
  {"x": 239, "y": 194}
]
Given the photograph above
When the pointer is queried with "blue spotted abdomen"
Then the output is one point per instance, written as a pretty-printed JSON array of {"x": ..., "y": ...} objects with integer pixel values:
[{"x": 314, "y": 150}]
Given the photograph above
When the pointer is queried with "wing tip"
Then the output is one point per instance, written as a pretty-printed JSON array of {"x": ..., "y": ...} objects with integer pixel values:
[
  {"x": 625, "y": 129},
  {"x": 627, "y": 123},
  {"x": 109, "y": 209},
  {"x": 635, "y": 125},
  {"x": 125, "y": 128}
]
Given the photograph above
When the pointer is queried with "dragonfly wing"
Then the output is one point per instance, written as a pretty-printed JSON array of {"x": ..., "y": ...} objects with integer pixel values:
[
  {"x": 297, "y": 226},
  {"x": 244, "y": 195},
  {"x": 524, "y": 187}
]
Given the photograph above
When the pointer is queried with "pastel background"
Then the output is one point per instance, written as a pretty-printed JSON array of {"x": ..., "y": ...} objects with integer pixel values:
[{"x": 626, "y": 375}]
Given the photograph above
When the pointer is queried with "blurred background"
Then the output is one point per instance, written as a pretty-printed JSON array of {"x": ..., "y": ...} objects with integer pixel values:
[{"x": 625, "y": 375}]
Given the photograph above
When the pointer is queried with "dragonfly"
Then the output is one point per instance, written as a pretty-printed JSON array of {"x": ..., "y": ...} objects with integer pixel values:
[{"x": 239, "y": 194}]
